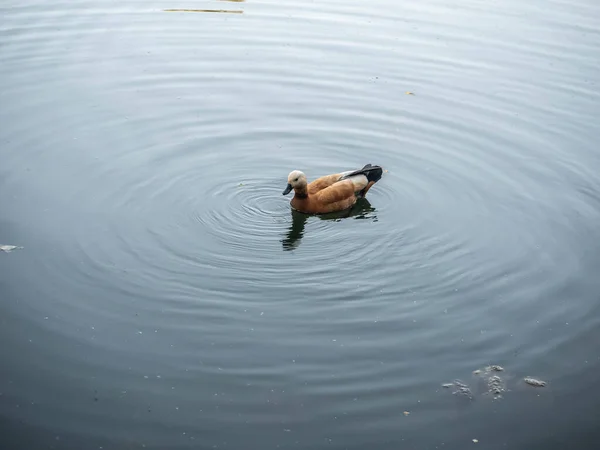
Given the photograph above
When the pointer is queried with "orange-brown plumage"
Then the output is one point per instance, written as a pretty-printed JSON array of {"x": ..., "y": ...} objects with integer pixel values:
[{"x": 331, "y": 193}]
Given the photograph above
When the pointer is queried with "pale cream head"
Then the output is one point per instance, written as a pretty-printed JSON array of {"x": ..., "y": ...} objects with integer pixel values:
[{"x": 296, "y": 180}]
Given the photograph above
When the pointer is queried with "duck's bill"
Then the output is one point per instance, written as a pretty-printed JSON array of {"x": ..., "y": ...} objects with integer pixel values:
[{"x": 288, "y": 189}]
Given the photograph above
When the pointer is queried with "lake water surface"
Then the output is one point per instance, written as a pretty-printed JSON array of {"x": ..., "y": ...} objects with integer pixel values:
[{"x": 167, "y": 298}]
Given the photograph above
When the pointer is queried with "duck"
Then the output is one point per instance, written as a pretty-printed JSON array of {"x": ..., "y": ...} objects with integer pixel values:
[{"x": 331, "y": 193}]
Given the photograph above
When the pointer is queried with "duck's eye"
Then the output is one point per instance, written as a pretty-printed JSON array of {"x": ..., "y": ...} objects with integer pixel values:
[{"x": 296, "y": 179}]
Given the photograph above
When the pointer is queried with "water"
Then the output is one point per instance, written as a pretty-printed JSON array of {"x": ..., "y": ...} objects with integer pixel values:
[{"x": 167, "y": 297}]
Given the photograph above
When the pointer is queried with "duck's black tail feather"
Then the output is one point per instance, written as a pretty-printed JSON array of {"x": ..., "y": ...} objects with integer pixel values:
[{"x": 373, "y": 173}]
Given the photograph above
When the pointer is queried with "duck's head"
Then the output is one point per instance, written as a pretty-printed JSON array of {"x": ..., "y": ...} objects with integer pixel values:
[{"x": 296, "y": 180}]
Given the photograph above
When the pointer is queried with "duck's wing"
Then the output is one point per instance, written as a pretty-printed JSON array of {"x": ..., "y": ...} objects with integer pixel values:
[
  {"x": 342, "y": 190},
  {"x": 361, "y": 178},
  {"x": 324, "y": 182}
]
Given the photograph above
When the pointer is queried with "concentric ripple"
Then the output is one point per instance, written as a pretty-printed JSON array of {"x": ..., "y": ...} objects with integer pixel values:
[{"x": 168, "y": 294}]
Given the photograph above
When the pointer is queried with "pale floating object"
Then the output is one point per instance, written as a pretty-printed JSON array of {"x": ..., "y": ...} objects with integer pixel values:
[
  {"x": 447, "y": 385},
  {"x": 9, "y": 248},
  {"x": 495, "y": 368},
  {"x": 410, "y": 93},
  {"x": 477, "y": 372},
  {"x": 476, "y": 440},
  {"x": 462, "y": 390},
  {"x": 406, "y": 413},
  {"x": 496, "y": 385},
  {"x": 534, "y": 382},
  {"x": 221, "y": 11}
]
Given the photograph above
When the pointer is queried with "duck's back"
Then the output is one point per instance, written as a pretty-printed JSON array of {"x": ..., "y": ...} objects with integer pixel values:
[{"x": 324, "y": 182}]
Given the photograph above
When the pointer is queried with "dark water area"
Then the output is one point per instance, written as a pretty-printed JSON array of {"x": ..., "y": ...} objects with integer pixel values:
[{"x": 166, "y": 297}]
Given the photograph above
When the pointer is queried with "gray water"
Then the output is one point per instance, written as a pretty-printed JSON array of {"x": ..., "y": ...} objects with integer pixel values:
[{"x": 166, "y": 297}]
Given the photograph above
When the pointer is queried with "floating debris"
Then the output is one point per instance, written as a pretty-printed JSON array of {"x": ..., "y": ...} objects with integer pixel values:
[
  {"x": 221, "y": 11},
  {"x": 534, "y": 382},
  {"x": 495, "y": 385},
  {"x": 406, "y": 413},
  {"x": 9, "y": 248},
  {"x": 475, "y": 441},
  {"x": 409, "y": 93},
  {"x": 462, "y": 389},
  {"x": 490, "y": 380}
]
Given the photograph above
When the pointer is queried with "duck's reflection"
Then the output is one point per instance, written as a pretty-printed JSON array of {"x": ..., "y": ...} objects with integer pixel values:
[{"x": 362, "y": 209}]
